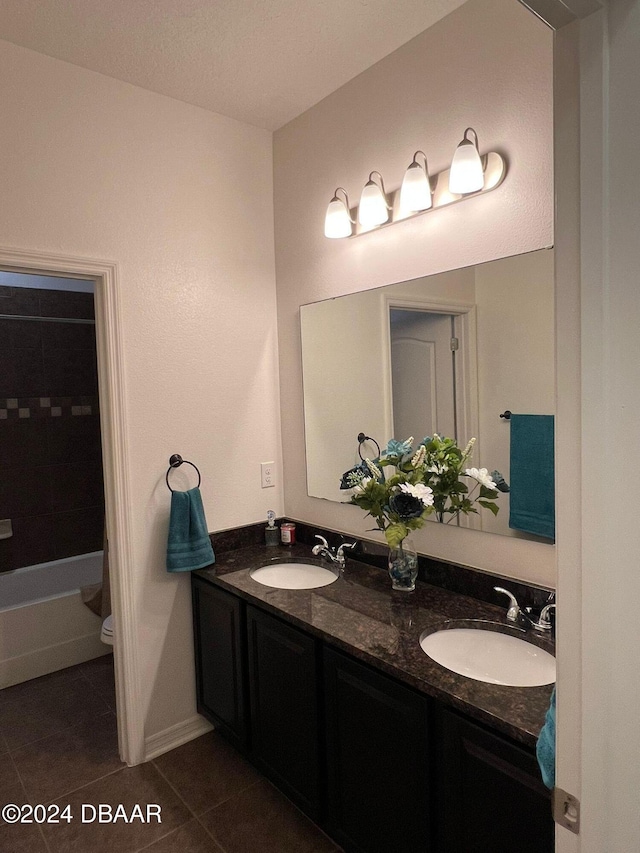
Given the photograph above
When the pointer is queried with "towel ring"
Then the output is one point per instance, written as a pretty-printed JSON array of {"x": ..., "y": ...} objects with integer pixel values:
[
  {"x": 176, "y": 461},
  {"x": 361, "y": 440}
]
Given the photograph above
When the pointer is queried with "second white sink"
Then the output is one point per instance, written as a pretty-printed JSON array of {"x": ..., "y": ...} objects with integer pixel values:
[
  {"x": 294, "y": 575},
  {"x": 490, "y": 656}
]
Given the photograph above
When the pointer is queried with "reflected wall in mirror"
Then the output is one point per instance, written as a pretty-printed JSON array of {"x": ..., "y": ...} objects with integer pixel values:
[{"x": 448, "y": 353}]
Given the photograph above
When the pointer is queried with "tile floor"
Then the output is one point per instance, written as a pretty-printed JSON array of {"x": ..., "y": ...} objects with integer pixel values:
[{"x": 58, "y": 747}]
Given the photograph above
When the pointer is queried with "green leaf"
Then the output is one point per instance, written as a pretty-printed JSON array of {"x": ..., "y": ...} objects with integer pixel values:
[
  {"x": 395, "y": 533},
  {"x": 490, "y": 505}
]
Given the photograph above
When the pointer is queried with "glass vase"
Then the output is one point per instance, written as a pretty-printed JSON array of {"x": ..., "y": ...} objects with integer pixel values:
[{"x": 403, "y": 566}]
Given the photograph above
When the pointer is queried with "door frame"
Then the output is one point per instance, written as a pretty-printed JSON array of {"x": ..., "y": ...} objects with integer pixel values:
[
  {"x": 467, "y": 367},
  {"x": 113, "y": 421}
]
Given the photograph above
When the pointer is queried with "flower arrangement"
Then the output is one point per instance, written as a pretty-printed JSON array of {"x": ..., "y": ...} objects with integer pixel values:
[{"x": 430, "y": 479}]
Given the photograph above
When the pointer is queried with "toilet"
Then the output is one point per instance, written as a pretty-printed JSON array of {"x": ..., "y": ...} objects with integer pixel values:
[{"x": 106, "y": 635}]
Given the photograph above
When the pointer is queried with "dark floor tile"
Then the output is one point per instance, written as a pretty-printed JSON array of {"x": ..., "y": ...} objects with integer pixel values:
[
  {"x": 190, "y": 838},
  {"x": 141, "y": 785},
  {"x": 29, "y": 691},
  {"x": 65, "y": 761},
  {"x": 9, "y": 778},
  {"x": 18, "y": 837},
  {"x": 21, "y": 838},
  {"x": 49, "y": 712},
  {"x": 100, "y": 674},
  {"x": 261, "y": 818},
  {"x": 206, "y": 771}
]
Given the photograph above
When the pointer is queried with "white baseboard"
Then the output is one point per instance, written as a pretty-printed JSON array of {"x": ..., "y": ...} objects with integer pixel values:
[{"x": 174, "y": 736}]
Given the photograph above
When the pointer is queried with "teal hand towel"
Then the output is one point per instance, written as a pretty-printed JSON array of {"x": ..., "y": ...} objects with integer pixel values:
[
  {"x": 531, "y": 476},
  {"x": 546, "y": 745},
  {"x": 188, "y": 546}
]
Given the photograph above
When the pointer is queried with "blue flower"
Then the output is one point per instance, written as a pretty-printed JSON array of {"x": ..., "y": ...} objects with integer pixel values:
[{"x": 399, "y": 448}]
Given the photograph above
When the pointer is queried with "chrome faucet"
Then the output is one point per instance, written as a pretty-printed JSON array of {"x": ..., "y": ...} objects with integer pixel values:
[
  {"x": 323, "y": 549},
  {"x": 515, "y": 614}
]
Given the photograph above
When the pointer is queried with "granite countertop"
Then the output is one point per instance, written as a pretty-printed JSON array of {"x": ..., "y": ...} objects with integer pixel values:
[{"x": 363, "y": 616}]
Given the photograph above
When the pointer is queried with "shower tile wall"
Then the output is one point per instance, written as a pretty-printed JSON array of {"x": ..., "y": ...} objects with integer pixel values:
[{"x": 50, "y": 454}]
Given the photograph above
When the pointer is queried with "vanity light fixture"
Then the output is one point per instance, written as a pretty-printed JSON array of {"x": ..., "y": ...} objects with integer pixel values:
[
  {"x": 415, "y": 192},
  {"x": 469, "y": 175},
  {"x": 466, "y": 174},
  {"x": 338, "y": 221},
  {"x": 373, "y": 208}
]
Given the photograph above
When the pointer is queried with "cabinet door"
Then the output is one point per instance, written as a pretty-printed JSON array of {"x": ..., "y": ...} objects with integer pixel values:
[
  {"x": 283, "y": 674},
  {"x": 490, "y": 797},
  {"x": 218, "y": 624},
  {"x": 378, "y": 766}
]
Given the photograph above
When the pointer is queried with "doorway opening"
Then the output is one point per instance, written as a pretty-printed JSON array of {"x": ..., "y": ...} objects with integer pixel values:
[
  {"x": 110, "y": 371},
  {"x": 54, "y": 582}
]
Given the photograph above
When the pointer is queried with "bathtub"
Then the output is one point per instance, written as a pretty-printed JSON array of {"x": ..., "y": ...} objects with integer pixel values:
[{"x": 44, "y": 626}]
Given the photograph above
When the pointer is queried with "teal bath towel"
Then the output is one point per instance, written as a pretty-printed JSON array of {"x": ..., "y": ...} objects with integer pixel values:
[
  {"x": 546, "y": 745},
  {"x": 532, "y": 496},
  {"x": 189, "y": 546}
]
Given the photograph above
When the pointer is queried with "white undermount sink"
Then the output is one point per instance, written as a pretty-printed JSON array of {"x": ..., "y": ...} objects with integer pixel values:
[
  {"x": 489, "y": 656},
  {"x": 294, "y": 575}
]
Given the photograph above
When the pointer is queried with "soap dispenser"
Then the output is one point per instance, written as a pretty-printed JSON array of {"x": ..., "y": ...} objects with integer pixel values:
[{"x": 271, "y": 532}]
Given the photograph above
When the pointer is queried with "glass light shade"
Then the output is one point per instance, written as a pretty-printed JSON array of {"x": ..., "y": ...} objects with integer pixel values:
[
  {"x": 415, "y": 193},
  {"x": 372, "y": 209},
  {"x": 466, "y": 174},
  {"x": 337, "y": 222}
]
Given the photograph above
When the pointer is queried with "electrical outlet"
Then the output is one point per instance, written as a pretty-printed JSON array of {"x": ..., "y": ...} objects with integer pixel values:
[{"x": 268, "y": 474}]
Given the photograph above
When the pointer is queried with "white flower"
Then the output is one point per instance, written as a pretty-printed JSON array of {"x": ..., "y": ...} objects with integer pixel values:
[
  {"x": 377, "y": 473},
  {"x": 420, "y": 491},
  {"x": 468, "y": 449},
  {"x": 419, "y": 455},
  {"x": 362, "y": 485},
  {"x": 482, "y": 475}
]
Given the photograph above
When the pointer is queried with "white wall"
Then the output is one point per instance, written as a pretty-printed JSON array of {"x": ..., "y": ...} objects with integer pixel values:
[
  {"x": 489, "y": 65},
  {"x": 610, "y": 313},
  {"x": 181, "y": 200}
]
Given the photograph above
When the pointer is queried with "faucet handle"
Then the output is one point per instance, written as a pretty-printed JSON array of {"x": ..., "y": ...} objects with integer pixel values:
[
  {"x": 513, "y": 613},
  {"x": 322, "y": 545},
  {"x": 340, "y": 552},
  {"x": 544, "y": 623}
]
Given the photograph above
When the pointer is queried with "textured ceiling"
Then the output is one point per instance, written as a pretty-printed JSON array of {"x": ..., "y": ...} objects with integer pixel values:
[{"x": 260, "y": 61}]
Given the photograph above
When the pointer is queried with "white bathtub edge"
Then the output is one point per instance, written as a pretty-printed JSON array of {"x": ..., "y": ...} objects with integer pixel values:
[{"x": 51, "y": 658}]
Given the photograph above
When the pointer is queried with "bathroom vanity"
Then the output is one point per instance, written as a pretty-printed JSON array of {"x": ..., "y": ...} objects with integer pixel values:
[{"x": 329, "y": 693}]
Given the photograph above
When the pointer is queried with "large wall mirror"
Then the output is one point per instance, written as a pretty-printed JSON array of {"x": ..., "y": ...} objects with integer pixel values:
[{"x": 448, "y": 353}]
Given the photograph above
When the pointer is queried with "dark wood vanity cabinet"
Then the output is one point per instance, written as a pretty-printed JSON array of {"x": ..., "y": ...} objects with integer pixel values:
[
  {"x": 381, "y": 767},
  {"x": 284, "y": 702},
  {"x": 489, "y": 793},
  {"x": 377, "y": 760},
  {"x": 220, "y": 649}
]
